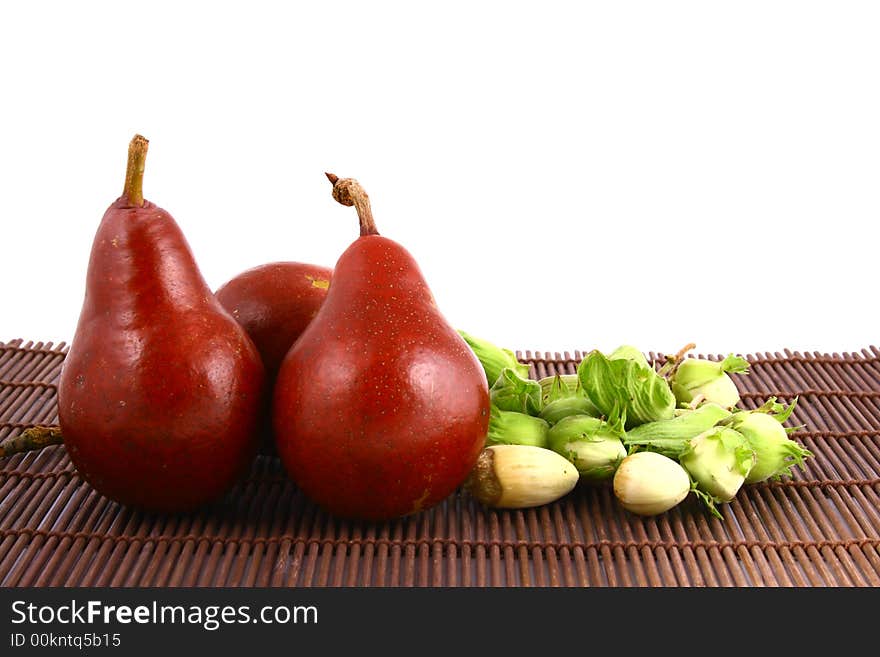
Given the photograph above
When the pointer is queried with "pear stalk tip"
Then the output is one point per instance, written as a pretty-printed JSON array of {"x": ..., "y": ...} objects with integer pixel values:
[
  {"x": 348, "y": 191},
  {"x": 133, "y": 190}
]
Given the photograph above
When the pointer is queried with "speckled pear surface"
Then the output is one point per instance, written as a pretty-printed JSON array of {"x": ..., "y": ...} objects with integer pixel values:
[
  {"x": 380, "y": 408},
  {"x": 160, "y": 394}
]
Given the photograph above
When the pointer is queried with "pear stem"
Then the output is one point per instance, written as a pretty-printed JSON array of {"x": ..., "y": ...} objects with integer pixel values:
[
  {"x": 32, "y": 438},
  {"x": 134, "y": 172},
  {"x": 348, "y": 191}
]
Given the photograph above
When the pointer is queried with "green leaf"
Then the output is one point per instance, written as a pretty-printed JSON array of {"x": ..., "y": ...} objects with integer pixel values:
[
  {"x": 512, "y": 428},
  {"x": 708, "y": 500},
  {"x": 555, "y": 410},
  {"x": 671, "y": 437},
  {"x": 625, "y": 391},
  {"x": 511, "y": 392},
  {"x": 628, "y": 352},
  {"x": 559, "y": 386},
  {"x": 493, "y": 358},
  {"x": 786, "y": 412},
  {"x": 735, "y": 365}
]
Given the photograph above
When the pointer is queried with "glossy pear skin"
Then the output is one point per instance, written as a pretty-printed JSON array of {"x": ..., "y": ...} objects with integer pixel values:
[
  {"x": 161, "y": 391},
  {"x": 380, "y": 408},
  {"x": 274, "y": 303}
]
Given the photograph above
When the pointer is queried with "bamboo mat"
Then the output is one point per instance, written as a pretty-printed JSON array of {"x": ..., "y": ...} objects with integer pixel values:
[{"x": 820, "y": 528}]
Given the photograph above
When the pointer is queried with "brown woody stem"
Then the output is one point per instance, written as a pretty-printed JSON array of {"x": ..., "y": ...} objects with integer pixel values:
[
  {"x": 348, "y": 191},
  {"x": 32, "y": 438},
  {"x": 134, "y": 172},
  {"x": 672, "y": 362}
]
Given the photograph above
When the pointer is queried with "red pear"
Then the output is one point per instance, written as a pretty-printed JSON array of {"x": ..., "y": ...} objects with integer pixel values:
[
  {"x": 161, "y": 391},
  {"x": 380, "y": 408},
  {"x": 274, "y": 303}
]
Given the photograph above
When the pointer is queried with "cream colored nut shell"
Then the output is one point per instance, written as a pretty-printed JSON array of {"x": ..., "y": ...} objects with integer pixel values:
[
  {"x": 531, "y": 476},
  {"x": 648, "y": 483}
]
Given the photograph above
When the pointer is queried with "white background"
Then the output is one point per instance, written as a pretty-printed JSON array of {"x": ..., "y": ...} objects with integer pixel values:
[{"x": 569, "y": 175}]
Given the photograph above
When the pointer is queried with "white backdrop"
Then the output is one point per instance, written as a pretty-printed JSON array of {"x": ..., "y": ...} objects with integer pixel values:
[{"x": 569, "y": 175}]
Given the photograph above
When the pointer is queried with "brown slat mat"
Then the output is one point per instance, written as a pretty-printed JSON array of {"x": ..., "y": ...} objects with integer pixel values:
[{"x": 820, "y": 528}]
